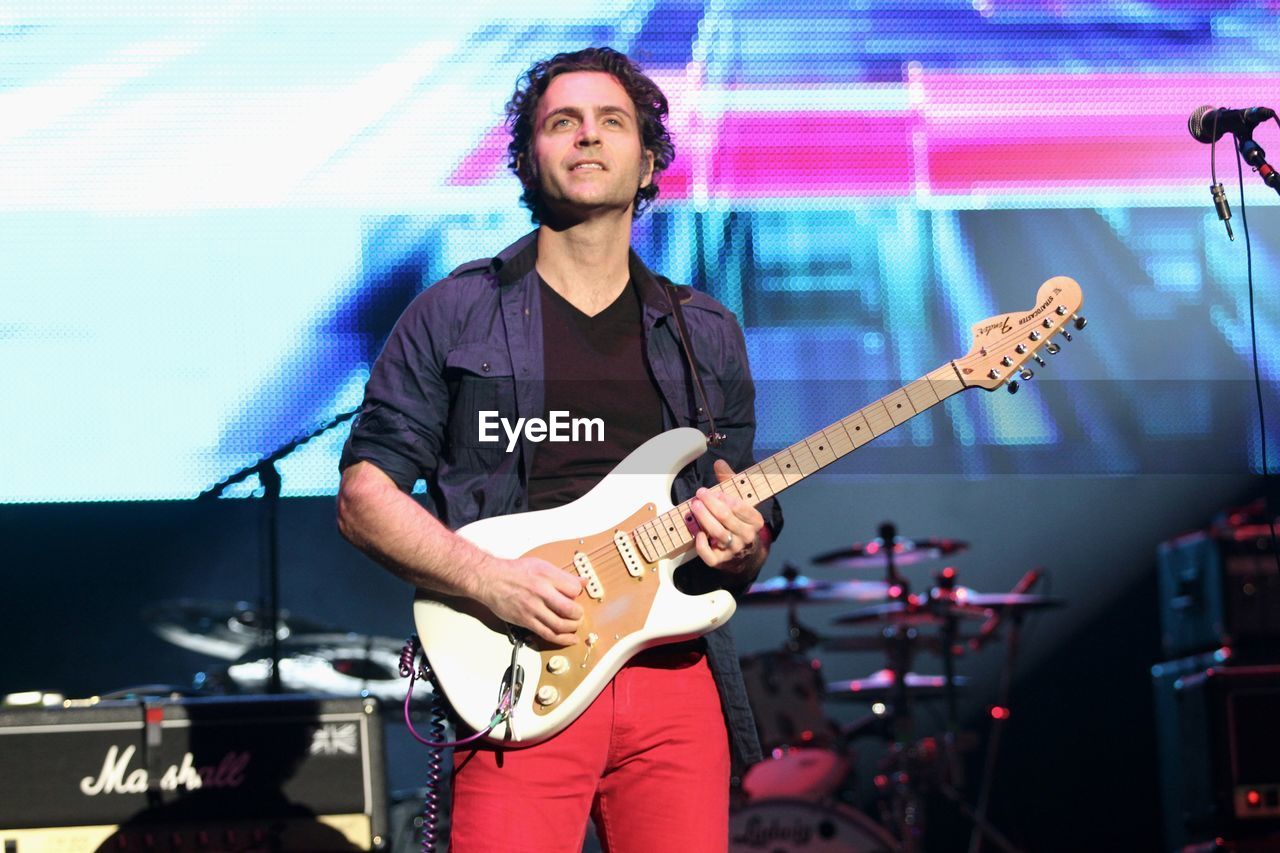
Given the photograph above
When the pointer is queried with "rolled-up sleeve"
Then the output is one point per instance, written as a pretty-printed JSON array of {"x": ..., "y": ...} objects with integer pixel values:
[{"x": 401, "y": 423}]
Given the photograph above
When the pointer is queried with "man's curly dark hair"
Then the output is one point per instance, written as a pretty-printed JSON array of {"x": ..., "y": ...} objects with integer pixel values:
[{"x": 651, "y": 112}]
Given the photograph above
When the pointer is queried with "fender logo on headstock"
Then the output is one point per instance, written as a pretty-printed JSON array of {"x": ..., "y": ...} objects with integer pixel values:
[{"x": 1001, "y": 326}]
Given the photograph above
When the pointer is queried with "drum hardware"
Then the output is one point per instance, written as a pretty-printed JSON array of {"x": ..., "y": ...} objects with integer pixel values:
[
  {"x": 913, "y": 766},
  {"x": 793, "y": 587},
  {"x": 999, "y": 714},
  {"x": 883, "y": 685},
  {"x": 806, "y": 766},
  {"x": 905, "y": 552},
  {"x": 908, "y": 771},
  {"x": 336, "y": 664},
  {"x": 942, "y": 604},
  {"x": 222, "y": 629},
  {"x": 888, "y": 634}
]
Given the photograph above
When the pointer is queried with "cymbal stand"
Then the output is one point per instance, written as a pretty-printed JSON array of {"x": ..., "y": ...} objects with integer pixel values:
[
  {"x": 269, "y": 476},
  {"x": 999, "y": 714},
  {"x": 800, "y": 637},
  {"x": 946, "y": 580},
  {"x": 906, "y": 806},
  {"x": 950, "y": 631}
]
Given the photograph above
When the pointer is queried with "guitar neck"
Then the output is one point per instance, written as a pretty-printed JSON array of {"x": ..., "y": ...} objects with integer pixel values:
[{"x": 668, "y": 534}]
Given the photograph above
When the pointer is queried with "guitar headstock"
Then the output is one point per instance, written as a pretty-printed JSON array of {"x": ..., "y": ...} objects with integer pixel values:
[{"x": 1002, "y": 345}]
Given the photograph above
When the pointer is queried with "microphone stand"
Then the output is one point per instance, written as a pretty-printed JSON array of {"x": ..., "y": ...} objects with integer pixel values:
[{"x": 269, "y": 476}]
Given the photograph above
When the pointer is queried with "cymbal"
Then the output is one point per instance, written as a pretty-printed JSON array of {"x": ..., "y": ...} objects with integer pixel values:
[
  {"x": 887, "y": 637},
  {"x": 911, "y": 614},
  {"x": 906, "y": 552},
  {"x": 333, "y": 663},
  {"x": 882, "y": 685},
  {"x": 962, "y": 603},
  {"x": 222, "y": 629},
  {"x": 801, "y": 589},
  {"x": 1008, "y": 600}
]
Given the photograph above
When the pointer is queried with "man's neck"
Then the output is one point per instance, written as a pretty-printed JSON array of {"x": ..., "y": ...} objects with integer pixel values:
[{"x": 587, "y": 263}]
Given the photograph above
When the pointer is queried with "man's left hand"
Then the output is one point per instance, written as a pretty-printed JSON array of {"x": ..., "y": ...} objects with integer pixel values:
[{"x": 729, "y": 532}]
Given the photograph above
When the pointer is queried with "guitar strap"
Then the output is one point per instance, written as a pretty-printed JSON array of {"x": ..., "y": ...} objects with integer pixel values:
[{"x": 714, "y": 438}]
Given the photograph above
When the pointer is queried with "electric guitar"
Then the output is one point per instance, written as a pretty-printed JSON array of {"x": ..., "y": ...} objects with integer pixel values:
[{"x": 625, "y": 540}]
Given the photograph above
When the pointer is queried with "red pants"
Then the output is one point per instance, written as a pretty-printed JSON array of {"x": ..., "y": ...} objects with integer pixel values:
[{"x": 648, "y": 761}]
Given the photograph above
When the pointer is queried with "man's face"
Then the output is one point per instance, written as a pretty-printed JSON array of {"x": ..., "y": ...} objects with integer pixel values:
[{"x": 587, "y": 155}]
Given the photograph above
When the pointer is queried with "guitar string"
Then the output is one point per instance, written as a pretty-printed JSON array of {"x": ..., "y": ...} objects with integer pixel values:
[
  {"x": 1008, "y": 340},
  {"x": 608, "y": 552}
]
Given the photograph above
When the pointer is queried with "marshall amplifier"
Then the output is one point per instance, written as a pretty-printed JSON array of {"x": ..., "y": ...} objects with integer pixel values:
[{"x": 229, "y": 773}]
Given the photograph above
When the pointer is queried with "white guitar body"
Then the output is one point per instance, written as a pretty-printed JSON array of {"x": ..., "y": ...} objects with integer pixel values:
[{"x": 470, "y": 650}]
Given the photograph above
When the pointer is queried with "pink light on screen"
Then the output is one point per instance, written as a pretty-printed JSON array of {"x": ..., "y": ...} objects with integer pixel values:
[
  {"x": 976, "y": 133},
  {"x": 1013, "y": 132},
  {"x": 484, "y": 162},
  {"x": 812, "y": 154}
]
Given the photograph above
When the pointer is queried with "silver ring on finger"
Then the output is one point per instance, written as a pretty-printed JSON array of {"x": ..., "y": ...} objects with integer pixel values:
[{"x": 728, "y": 542}]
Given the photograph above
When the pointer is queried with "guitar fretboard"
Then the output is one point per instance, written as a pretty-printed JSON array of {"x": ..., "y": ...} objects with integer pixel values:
[{"x": 669, "y": 534}]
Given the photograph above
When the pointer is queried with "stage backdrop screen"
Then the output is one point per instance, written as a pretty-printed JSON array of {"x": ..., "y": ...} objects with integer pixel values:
[{"x": 211, "y": 215}]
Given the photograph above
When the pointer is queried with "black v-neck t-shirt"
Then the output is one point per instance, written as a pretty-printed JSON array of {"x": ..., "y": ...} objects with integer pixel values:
[{"x": 598, "y": 389}]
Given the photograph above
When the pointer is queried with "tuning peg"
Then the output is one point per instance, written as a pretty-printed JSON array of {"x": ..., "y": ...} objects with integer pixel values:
[
  {"x": 1053, "y": 348},
  {"x": 1080, "y": 322},
  {"x": 1066, "y": 335},
  {"x": 1013, "y": 386},
  {"x": 1026, "y": 373},
  {"x": 1039, "y": 360}
]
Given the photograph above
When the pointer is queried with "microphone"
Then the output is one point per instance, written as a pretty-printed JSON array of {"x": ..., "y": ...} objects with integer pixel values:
[{"x": 1208, "y": 124}]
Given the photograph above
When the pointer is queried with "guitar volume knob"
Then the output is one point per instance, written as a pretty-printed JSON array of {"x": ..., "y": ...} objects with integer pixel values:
[
  {"x": 547, "y": 695},
  {"x": 557, "y": 665}
]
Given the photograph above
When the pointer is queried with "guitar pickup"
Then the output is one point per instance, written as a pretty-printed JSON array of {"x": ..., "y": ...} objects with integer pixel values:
[
  {"x": 587, "y": 572},
  {"x": 627, "y": 551}
]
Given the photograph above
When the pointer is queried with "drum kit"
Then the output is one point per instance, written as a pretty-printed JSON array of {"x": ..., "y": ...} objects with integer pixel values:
[{"x": 800, "y": 796}]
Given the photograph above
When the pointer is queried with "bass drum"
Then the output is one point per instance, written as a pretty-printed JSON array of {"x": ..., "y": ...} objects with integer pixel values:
[
  {"x": 804, "y": 758},
  {"x": 800, "y": 826}
]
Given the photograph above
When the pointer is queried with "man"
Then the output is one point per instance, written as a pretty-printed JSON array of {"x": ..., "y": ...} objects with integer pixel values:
[{"x": 568, "y": 319}]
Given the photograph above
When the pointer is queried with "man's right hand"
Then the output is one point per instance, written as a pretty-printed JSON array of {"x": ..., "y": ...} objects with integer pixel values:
[
  {"x": 536, "y": 595},
  {"x": 394, "y": 529}
]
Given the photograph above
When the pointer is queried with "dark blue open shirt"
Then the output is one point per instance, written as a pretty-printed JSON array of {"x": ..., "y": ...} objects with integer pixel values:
[{"x": 472, "y": 342}]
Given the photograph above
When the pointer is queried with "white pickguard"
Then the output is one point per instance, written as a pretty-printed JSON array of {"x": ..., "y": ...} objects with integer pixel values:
[{"x": 469, "y": 648}]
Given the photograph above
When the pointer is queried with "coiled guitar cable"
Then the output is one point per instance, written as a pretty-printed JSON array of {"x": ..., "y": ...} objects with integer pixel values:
[{"x": 435, "y": 742}]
